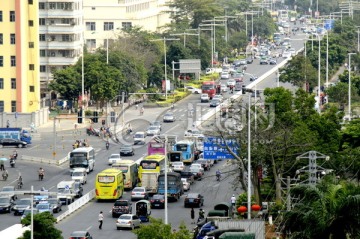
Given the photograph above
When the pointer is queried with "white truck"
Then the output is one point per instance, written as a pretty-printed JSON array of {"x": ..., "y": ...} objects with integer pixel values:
[
  {"x": 149, "y": 181},
  {"x": 66, "y": 192},
  {"x": 79, "y": 175}
]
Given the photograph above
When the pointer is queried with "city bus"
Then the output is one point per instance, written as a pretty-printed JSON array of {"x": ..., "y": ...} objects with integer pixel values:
[
  {"x": 149, "y": 169},
  {"x": 109, "y": 184},
  {"x": 130, "y": 172},
  {"x": 156, "y": 147},
  {"x": 187, "y": 148},
  {"x": 83, "y": 157},
  {"x": 209, "y": 87}
]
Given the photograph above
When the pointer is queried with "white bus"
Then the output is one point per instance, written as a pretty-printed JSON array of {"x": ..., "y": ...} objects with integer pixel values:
[{"x": 83, "y": 157}]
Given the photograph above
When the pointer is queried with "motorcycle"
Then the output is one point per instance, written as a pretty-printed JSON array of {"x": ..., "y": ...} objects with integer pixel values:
[
  {"x": 19, "y": 184},
  {"x": 107, "y": 145},
  {"x": 12, "y": 163},
  {"x": 5, "y": 176},
  {"x": 218, "y": 177}
]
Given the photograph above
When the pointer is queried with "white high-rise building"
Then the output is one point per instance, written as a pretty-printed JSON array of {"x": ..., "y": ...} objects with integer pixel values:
[
  {"x": 104, "y": 19},
  {"x": 61, "y": 38}
]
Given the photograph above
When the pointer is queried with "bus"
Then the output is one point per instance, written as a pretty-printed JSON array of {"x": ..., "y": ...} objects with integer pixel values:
[
  {"x": 83, "y": 157},
  {"x": 130, "y": 172},
  {"x": 174, "y": 185},
  {"x": 209, "y": 87},
  {"x": 156, "y": 147},
  {"x": 109, "y": 184},
  {"x": 150, "y": 168},
  {"x": 187, "y": 147}
]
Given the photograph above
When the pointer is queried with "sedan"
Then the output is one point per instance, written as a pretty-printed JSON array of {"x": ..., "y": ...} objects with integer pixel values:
[
  {"x": 272, "y": 61},
  {"x": 158, "y": 201},
  {"x": 21, "y": 205},
  {"x": 197, "y": 172},
  {"x": 194, "y": 200},
  {"x": 178, "y": 166},
  {"x": 128, "y": 221},
  {"x": 55, "y": 204},
  {"x": 249, "y": 60},
  {"x": 114, "y": 158},
  {"x": 169, "y": 117},
  {"x": 186, "y": 184},
  {"x": 6, "y": 204},
  {"x": 153, "y": 130},
  {"x": 44, "y": 207},
  {"x": 204, "y": 98},
  {"x": 218, "y": 97},
  {"x": 156, "y": 123},
  {"x": 127, "y": 149},
  {"x": 188, "y": 175},
  {"x": 225, "y": 75},
  {"x": 223, "y": 88},
  {"x": 139, "y": 193},
  {"x": 214, "y": 103},
  {"x": 8, "y": 191},
  {"x": 193, "y": 89},
  {"x": 204, "y": 163},
  {"x": 230, "y": 82},
  {"x": 139, "y": 138},
  {"x": 264, "y": 61},
  {"x": 12, "y": 142},
  {"x": 80, "y": 235}
]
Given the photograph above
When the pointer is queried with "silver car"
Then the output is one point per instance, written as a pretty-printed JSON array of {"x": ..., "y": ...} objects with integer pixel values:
[
  {"x": 139, "y": 193},
  {"x": 169, "y": 117},
  {"x": 153, "y": 130},
  {"x": 128, "y": 221}
]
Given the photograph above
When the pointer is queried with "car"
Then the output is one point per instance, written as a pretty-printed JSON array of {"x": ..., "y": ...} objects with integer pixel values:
[
  {"x": 78, "y": 189},
  {"x": 157, "y": 124},
  {"x": 120, "y": 207},
  {"x": 178, "y": 166},
  {"x": 139, "y": 193},
  {"x": 188, "y": 175},
  {"x": 214, "y": 103},
  {"x": 193, "y": 89},
  {"x": 21, "y": 205},
  {"x": 272, "y": 61},
  {"x": 8, "y": 191},
  {"x": 198, "y": 172},
  {"x": 186, "y": 184},
  {"x": 286, "y": 54},
  {"x": 194, "y": 133},
  {"x": 249, "y": 60},
  {"x": 114, "y": 158},
  {"x": 8, "y": 142},
  {"x": 28, "y": 211},
  {"x": 194, "y": 200},
  {"x": 128, "y": 221},
  {"x": 239, "y": 77},
  {"x": 264, "y": 61},
  {"x": 230, "y": 82},
  {"x": 223, "y": 88},
  {"x": 44, "y": 207},
  {"x": 153, "y": 130},
  {"x": 225, "y": 75},
  {"x": 157, "y": 201},
  {"x": 218, "y": 97},
  {"x": 127, "y": 149},
  {"x": 253, "y": 78},
  {"x": 204, "y": 98},
  {"x": 139, "y": 138},
  {"x": 79, "y": 175},
  {"x": 169, "y": 117},
  {"x": 292, "y": 51},
  {"x": 204, "y": 163},
  {"x": 6, "y": 204},
  {"x": 55, "y": 204},
  {"x": 80, "y": 235}
]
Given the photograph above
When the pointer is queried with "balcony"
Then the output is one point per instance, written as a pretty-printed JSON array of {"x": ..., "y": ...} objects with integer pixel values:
[
  {"x": 58, "y": 61},
  {"x": 59, "y": 13},
  {"x": 58, "y": 28},
  {"x": 61, "y": 45}
]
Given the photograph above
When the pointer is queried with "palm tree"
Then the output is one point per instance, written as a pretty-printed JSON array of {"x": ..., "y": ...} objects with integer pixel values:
[{"x": 328, "y": 211}]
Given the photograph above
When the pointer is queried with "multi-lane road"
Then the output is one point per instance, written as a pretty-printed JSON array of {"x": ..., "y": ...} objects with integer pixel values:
[{"x": 86, "y": 217}]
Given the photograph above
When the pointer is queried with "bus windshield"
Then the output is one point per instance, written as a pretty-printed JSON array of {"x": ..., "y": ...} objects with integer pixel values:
[
  {"x": 208, "y": 87},
  {"x": 106, "y": 179},
  {"x": 149, "y": 165},
  {"x": 181, "y": 147},
  {"x": 124, "y": 169}
]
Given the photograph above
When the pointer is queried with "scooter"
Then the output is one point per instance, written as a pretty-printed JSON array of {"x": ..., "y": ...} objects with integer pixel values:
[
  {"x": 218, "y": 177},
  {"x": 5, "y": 176},
  {"x": 107, "y": 145},
  {"x": 12, "y": 163}
]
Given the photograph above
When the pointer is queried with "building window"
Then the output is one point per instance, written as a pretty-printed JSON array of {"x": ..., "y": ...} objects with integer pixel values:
[
  {"x": 13, "y": 83},
  {"x": 32, "y": 88},
  {"x": 31, "y": 23},
  {"x": 13, "y": 60},
  {"x": 12, "y": 39},
  {"x": 126, "y": 25},
  {"x": 13, "y": 106},
  {"x": 42, "y": 37},
  {"x": 42, "y": 53},
  {"x": 12, "y": 16},
  {"x": 42, "y": 22},
  {"x": 108, "y": 26},
  {"x": 1, "y": 61},
  {"x": 1, "y": 106},
  {"x": 1, "y": 16},
  {"x": 30, "y": 2},
  {"x": 31, "y": 44},
  {"x": 65, "y": 37},
  {"x": 42, "y": 68},
  {"x": 90, "y": 26},
  {"x": 41, "y": 5},
  {"x": 93, "y": 8},
  {"x": 91, "y": 44},
  {"x": 52, "y": 5},
  {"x": 1, "y": 83},
  {"x": 1, "y": 39},
  {"x": 31, "y": 67}
]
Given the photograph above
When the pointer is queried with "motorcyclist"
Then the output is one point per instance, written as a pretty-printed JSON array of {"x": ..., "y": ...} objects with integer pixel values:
[
  {"x": 107, "y": 144},
  {"x": 41, "y": 174},
  {"x": 19, "y": 183},
  {"x": 218, "y": 175},
  {"x": 129, "y": 129},
  {"x": 15, "y": 155},
  {"x": 5, "y": 175},
  {"x": 12, "y": 162},
  {"x": 201, "y": 214}
]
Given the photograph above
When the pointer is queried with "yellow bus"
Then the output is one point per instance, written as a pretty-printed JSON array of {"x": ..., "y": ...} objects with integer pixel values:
[
  {"x": 130, "y": 172},
  {"x": 109, "y": 184}
]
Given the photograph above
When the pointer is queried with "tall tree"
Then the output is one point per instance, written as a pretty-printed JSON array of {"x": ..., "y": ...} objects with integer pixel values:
[
  {"x": 44, "y": 226},
  {"x": 67, "y": 82}
]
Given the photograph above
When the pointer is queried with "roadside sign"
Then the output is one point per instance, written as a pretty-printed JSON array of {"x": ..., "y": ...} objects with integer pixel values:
[{"x": 215, "y": 148}]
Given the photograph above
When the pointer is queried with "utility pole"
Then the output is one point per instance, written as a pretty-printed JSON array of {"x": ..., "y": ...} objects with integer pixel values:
[{"x": 184, "y": 34}]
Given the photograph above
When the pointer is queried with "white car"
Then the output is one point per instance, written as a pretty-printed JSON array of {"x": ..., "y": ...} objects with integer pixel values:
[
  {"x": 218, "y": 97},
  {"x": 230, "y": 82},
  {"x": 139, "y": 193},
  {"x": 186, "y": 184},
  {"x": 114, "y": 158},
  {"x": 225, "y": 75},
  {"x": 193, "y": 89},
  {"x": 153, "y": 130},
  {"x": 286, "y": 54},
  {"x": 79, "y": 175},
  {"x": 178, "y": 166},
  {"x": 139, "y": 138},
  {"x": 204, "y": 98},
  {"x": 194, "y": 133},
  {"x": 223, "y": 88},
  {"x": 128, "y": 221},
  {"x": 292, "y": 51}
]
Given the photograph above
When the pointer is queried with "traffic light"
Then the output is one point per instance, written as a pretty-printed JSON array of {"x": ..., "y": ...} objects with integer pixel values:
[
  {"x": 95, "y": 119},
  {"x": 80, "y": 119}
]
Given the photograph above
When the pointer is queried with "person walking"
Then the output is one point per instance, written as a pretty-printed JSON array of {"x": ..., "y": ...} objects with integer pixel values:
[
  {"x": 41, "y": 174},
  {"x": 2, "y": 167},
  {"x": 233, "y": 200},
  {"x": 101, "y": 219},
  {"x": 192, "y": 214}
]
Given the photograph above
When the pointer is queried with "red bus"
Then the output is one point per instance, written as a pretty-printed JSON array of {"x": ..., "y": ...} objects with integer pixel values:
[{"x": 209, "y": 87}]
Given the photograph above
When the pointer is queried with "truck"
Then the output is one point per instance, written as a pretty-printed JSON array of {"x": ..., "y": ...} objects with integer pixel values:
[
  {"x": 150, "y": 182},
  {"x": 66, "y": 193},
  {"x": 174, "y": 185},
  {"x": 15, "y": 133},
  {"x": 209, "y": 87}
]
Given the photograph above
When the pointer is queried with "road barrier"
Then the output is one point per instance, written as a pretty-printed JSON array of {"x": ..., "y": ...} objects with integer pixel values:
[
  {"x": 45, "y": 160},
  {"x": 77, "y": 204}
]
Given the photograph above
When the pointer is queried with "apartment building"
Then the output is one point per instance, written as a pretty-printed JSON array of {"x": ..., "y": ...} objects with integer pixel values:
[
  {"x": 19, "y": 56},
  {"x": 60, "y": 36},
  {"x": 104, "y": 19}
]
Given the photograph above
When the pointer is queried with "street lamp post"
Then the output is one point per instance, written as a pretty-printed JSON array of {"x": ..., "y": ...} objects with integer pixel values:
[
  {"x": 184, "y": 34},
  {"x": 249, "y": 162},
  {"x": 350, "y": 84},
  {"x": 319, "y": 75},
  {"x": 327, "y": 59}
]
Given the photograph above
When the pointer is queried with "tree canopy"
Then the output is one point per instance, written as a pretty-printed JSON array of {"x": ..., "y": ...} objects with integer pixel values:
[{"x": 43, "y": 226}]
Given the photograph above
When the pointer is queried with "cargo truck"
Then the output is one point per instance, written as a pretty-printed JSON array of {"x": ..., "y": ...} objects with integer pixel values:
[{"x": 15, "y": 133}]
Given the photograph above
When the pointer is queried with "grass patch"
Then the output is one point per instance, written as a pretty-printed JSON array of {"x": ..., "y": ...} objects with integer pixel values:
[{"x": 172, "y": 98}]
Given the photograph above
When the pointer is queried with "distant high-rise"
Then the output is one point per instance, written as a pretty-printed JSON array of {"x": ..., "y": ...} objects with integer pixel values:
[{"x": 19, "y": 56}]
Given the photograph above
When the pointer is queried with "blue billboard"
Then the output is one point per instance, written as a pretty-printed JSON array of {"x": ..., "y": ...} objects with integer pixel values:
[
  {"x": 215, "y": 148},
  {"x": 329, "y": 24}
]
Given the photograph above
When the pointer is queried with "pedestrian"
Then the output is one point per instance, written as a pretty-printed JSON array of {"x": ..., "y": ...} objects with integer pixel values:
[
  {"x": 2, "y": 167},
  {"x": 7, "y": 124},
  {"x": 101, "y": 219},
  {"x": 142, "y": 111},
  {"x": 233, "y": 200},
  {"x": 41, "y": 174},
  {"x": 15, "y": 154},
  {"x": 192, "y": 213}
]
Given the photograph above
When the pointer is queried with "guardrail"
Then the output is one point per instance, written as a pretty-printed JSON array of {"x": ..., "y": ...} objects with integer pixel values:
[
  {"x": 45, "y": 160},
  {"x": 77, "y": 204}
]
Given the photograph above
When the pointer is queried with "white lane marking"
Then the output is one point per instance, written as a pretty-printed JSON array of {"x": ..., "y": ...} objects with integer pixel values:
[
  {"x": 34, "y": 147},
  {"x": 88, "y": 229}
]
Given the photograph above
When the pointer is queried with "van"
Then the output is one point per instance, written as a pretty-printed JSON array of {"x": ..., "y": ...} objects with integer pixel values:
[
  {"x": 66, "y": 193},
  {"x": 79, "y": 175}
]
